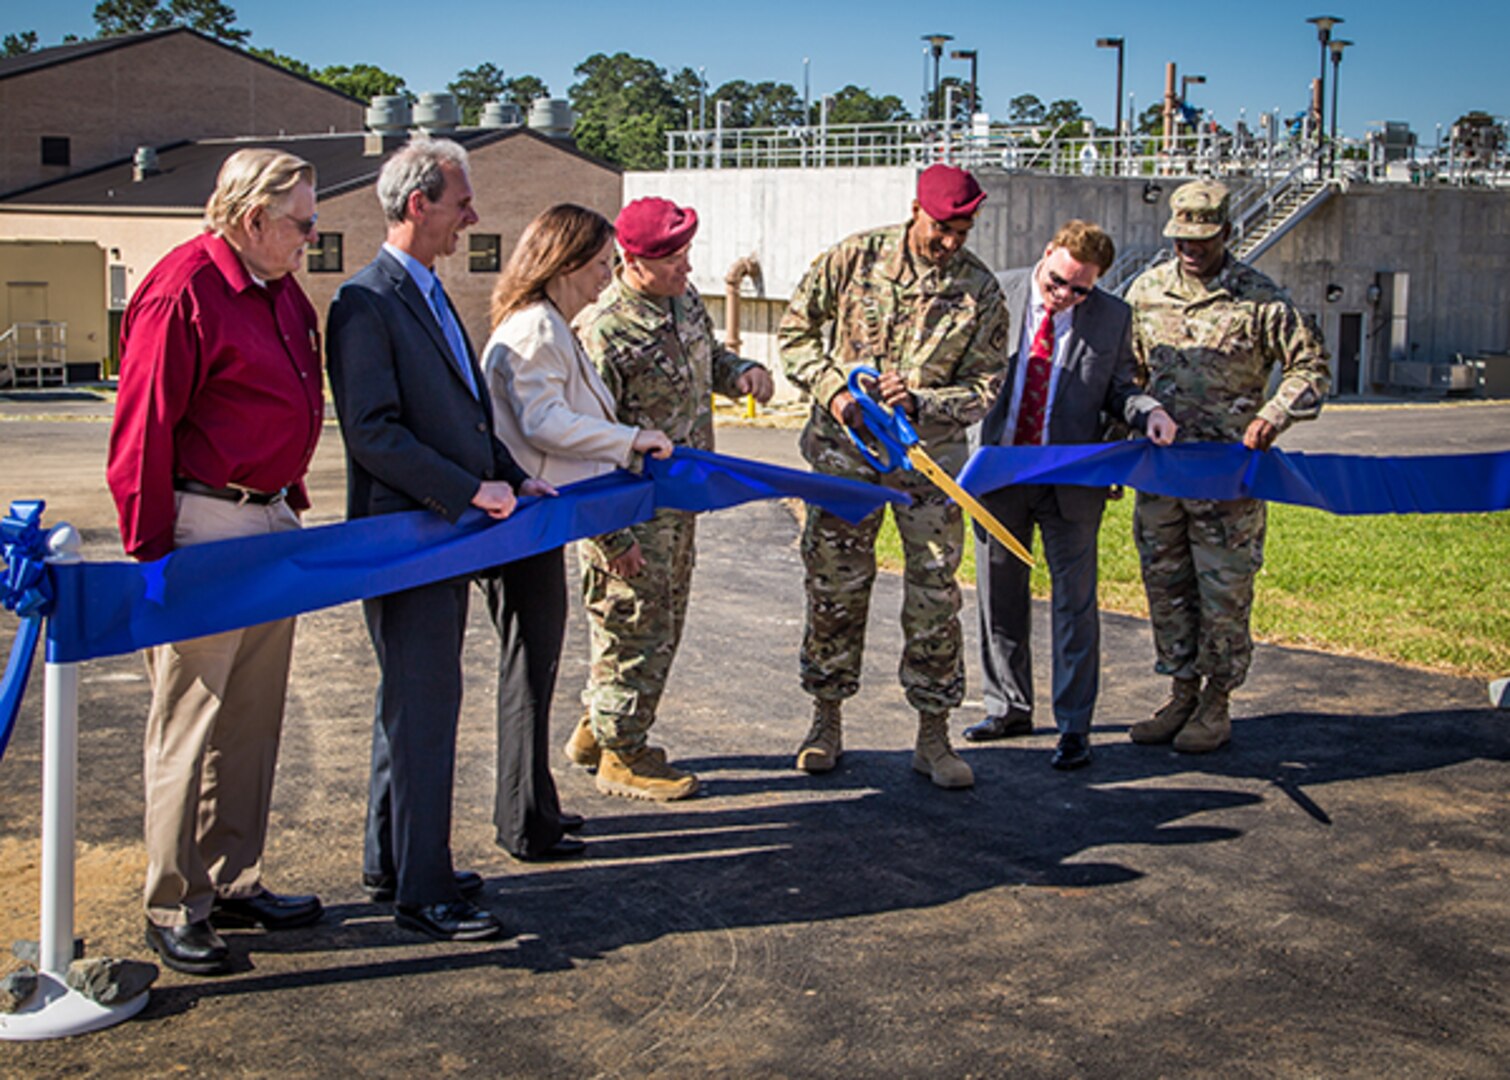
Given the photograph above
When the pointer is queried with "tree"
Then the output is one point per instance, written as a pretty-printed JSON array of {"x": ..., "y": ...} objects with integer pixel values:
[
  {"x": 362, "y": 81},
  {"x": 767, "y": 104},
  {"x": 298, "y": 67},
  {"x": 955, "y": 92},
  {"x": 19, "y": 44},
  {"x": 1151, "y": 120},
  {"x": 209, "y": 17},
  {"x": 857, "y": 105},
  {"x": 1025, "y": 109},
  {"x": 1062, "y": 112},
  {"x": 624, "y": 108},
  {"x": 474, "y": 87},
  {"x": 522, "y": 90}
]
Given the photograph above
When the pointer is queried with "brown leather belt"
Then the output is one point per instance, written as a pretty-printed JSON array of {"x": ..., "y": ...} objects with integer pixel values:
[{"x": 229, "y": 494}]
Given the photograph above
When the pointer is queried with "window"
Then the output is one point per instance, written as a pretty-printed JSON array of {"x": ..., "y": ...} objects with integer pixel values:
[
  {"x": 484, "y": 253},
  {"x": 325, "y": 256},
  {"x": 55, "y": 150}
]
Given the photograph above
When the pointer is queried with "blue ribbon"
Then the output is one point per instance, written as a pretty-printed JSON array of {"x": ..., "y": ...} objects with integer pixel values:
[
  {"x": 1337, "y": 483},
  {"x": 106, "y": 609},
  {"x": 26, "y": 590}
]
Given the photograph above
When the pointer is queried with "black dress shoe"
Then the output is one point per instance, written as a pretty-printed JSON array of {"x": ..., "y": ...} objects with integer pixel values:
[
  {"x": 193, "y": 948},
  {"x": 268, "y": 910},
  {"x": 1000, "y": 727},
  {"x": 571, "y": 822},
  {"x": 1073, "y": 752},
  {"x": 568, "y": 847},
  {"x": 454, "y": 920},
  {"x": 383, "y": 888}
]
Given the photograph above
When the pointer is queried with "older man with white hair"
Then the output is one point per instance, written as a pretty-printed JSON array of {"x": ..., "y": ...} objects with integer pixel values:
[{"x": 219, "y": 411}]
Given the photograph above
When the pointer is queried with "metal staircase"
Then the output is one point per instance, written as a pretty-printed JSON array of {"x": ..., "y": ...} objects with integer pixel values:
[
  {"x": 35, "y": 353},
  {"x": 1260, "y": 213}
]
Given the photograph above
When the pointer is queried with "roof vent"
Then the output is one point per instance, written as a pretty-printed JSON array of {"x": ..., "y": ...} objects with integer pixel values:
[
  {"x": 144, "y": 163},
  {"x": 499, "y": 114},
  {"x": 388, "y": 114},
  {"x": 435, "y": 112},
  {"x": 552, "y": 117}
]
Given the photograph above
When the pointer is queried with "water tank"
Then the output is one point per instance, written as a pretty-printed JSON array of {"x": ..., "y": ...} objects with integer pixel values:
[
  {"x": 389, "y": 114},
  {"x": 552, "y": 117},
  {"x": 435, "y": 112},
  {"x": 499, "y": 114}
]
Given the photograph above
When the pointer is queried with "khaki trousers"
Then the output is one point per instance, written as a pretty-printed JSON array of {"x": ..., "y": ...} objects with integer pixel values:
[{"x": 212, "y": 738}]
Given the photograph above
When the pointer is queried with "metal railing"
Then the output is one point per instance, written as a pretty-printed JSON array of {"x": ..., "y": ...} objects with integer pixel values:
[
  {"x": 1264, "y": 155},
  {"x": 34, "y": 353}
]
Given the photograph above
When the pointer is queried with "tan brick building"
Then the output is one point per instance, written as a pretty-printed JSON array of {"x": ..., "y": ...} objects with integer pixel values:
[
  {"x": 74, "y": 107},
  {"x": 132, "y": 221}
]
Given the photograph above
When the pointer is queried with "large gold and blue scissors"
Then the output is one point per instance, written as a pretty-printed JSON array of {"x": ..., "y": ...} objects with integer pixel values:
[{"x": 903, "y": 449}]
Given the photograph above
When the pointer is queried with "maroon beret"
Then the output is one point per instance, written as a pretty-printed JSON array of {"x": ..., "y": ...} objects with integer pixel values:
[
  {"x": 946, "y": 192},
  {"x": 654, "y": 228}
]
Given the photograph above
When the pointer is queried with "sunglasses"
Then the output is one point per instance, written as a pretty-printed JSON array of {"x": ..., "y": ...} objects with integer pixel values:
[{"x": 1059, "y": 283}]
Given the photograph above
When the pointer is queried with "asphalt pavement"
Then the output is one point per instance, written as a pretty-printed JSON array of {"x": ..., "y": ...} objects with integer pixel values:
[{"x": 1326, "y": 897}]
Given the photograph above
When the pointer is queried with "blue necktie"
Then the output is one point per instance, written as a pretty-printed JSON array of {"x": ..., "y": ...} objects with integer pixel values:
[{"x": 452, "y": 330}]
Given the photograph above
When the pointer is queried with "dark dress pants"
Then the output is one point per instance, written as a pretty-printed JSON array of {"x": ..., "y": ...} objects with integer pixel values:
[
  {"x": 1005, "y": 605},
  {"x": 527, "y": 600},
  {"x": 417, "y": 635}
]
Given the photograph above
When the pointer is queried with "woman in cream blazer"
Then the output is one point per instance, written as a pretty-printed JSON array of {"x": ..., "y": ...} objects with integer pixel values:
[{"x": 553, "y": 412}]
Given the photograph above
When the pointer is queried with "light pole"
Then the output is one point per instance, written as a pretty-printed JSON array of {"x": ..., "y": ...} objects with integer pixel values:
[
  {"x": 1115, "y": 43},
  {"x": 1324, "y": 24},
  {"x": 1185, "y": 81},
  {"x": 1336, "y": 46},
  {"x": 936, "y": 43},
  {"x": 970, "y": 55}
]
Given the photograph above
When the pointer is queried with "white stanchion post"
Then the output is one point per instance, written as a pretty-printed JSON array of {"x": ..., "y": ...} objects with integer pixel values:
[{"x": 54, "y": 1010}]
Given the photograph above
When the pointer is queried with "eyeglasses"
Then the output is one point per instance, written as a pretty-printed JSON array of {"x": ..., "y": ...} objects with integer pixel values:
[
  {"x": 305, "y": 225},
  {"x": 1059, "y": 283}
]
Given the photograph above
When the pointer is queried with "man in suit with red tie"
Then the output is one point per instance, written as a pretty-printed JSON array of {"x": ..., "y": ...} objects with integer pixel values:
[{"x": 1070, "y": 369}]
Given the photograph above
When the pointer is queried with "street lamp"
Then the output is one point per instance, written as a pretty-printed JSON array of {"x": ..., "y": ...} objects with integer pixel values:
[
  {"x": 1185, "y": 81},
  {"x": 1336, "y": 46},
  {"x": 967, "y": 54},
  {"x": 936, "y": 43},
  {"x": 1324, "y": 24},
  {"x": 1115, "y": 43}
]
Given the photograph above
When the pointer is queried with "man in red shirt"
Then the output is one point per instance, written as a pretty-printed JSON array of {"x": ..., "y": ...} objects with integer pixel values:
[{"x": 219, "y": 410}]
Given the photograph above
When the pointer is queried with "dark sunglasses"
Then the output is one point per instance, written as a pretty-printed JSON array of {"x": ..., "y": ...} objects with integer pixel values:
[{"x": 1059, "y": 283}]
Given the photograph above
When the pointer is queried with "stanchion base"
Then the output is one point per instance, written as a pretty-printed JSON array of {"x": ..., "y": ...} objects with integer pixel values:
[{"x": 55, "y": 1011}]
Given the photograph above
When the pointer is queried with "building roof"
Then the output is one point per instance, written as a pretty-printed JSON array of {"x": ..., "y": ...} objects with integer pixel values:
[
  {"x": 21, "y": 64},
  {"x": 187, "y": 170}
]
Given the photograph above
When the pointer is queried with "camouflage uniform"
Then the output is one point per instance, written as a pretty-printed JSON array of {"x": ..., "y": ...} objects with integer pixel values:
[
  {"x": 945, "y": 329},
  {"x": 661, "y": 361},
  {"x": 1206, "y": 350}
]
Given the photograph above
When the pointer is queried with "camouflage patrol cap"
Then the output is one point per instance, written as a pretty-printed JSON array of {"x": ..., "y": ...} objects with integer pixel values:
[{"x": 1198, "y": 210}]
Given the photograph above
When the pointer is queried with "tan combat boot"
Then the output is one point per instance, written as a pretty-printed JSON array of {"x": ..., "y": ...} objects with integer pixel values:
[
  {"x": 1170, "y": 716},
  {"x": 820, "y": 751},
  {"x": 643, "y": 774},
  {"x": 935, "y": 758},
  {"x": 582, "y": 748},
  {"x": 1210, "y": 727}
]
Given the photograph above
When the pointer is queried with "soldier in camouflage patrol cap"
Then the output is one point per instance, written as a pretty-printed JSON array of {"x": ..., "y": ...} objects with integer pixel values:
[
  {"x": 651, "y": 339},
  {"x": 1207, "y": 331},
  {"x": 911, "y": 302}
]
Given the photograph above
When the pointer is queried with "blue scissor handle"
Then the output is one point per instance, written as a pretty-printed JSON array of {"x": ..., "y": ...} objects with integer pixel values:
[{"x": 889, "y": 426}]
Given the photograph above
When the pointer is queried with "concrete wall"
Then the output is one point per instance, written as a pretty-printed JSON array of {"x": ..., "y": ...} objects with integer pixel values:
[
  {"x": 1450, "y": 241},
  {"x": 152, "y": 93}
]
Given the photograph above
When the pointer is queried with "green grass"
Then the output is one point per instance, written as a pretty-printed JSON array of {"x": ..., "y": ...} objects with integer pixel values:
[{"x": 1430, "y": 590}]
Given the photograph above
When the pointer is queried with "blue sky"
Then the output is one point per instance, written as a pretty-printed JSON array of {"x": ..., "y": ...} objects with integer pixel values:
[{"x": 1425, "y": 63}]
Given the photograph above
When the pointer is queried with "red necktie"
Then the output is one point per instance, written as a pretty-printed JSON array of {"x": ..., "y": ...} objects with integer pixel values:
[{"x": 1035, "y": 386}]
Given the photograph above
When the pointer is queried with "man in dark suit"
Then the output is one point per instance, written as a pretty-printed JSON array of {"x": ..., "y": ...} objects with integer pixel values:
[
  {"x": 418, "y": 426},
  {"x": 1070, "y": 367}
]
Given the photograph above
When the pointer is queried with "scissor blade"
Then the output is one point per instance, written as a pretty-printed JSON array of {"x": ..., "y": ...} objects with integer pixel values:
[{"x": 930, "y": 468}]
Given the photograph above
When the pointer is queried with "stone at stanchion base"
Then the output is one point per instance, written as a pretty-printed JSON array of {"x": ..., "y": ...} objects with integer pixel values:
[
  {"x": 1499, "y": 693},
  {"x": 54, "y": 1011}
]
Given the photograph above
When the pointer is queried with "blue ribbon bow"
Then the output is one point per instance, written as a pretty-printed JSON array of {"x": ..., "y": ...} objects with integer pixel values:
[{"x": 26, "y": 590}]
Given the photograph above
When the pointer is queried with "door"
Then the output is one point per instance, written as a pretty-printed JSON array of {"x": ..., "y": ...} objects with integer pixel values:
[{"x": 1349, "y": 354}]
